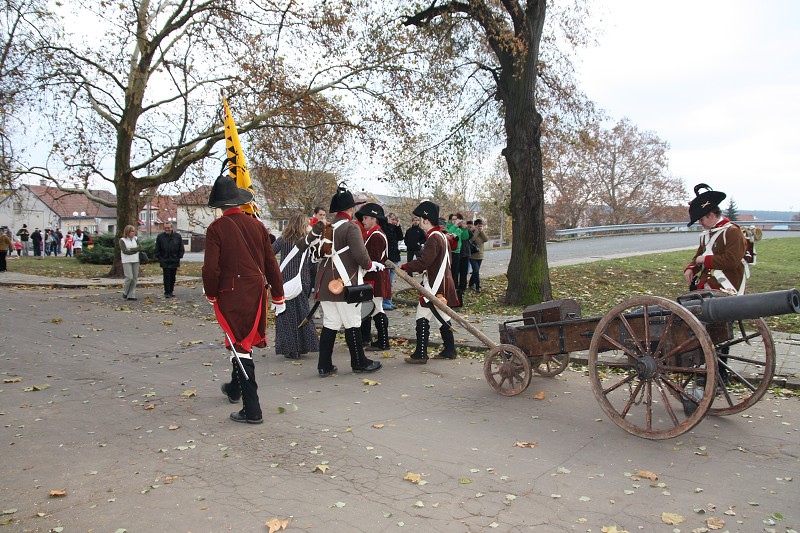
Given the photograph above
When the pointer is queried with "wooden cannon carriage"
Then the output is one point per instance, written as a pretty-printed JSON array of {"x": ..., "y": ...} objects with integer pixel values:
[{"x": 656, "y": 366}]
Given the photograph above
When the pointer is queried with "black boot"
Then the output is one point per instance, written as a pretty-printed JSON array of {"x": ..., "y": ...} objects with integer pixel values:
[
  {"x": 325, "y": 366},
  {"x": 460, "y": 295},
  {"x": 366, "y": 332},
  {"x": 382, "y": 327},
  {"x": 420, "y": 355},
  {"x": 449, "y": 348},
  {"x": 251, "y": 408},
  {"x": 232, "y": 390},
  {"x": 358, "y": 361}
]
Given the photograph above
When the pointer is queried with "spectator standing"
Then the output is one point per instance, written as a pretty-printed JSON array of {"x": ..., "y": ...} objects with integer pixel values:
[
  {"x": 169, "y": 251},
  {"x": 129, "y": 248},
  {"x": 414, "y": 239},
  {"x": 24, "y": 237},
  {"x": 457, "y": 229},
  {"x": 36, "y": 240},
  {"x": 59, "y": 238},
  {"x": 479, "y": 239},
  {"x": 5, "y": 249},
  {"x": 77, "y": 242},
  {"x": 394, "y": 233},
  {"x": 238, "y": 266},
  {"x": 18, "y": 248},
  {"x": 68, "y": 245},
  {"x": 291, "y": 341}
]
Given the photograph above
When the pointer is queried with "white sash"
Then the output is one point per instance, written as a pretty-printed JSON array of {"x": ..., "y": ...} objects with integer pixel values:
[
  {"x": 720, "y": 276},
  {"x": 440, "y": 274}
]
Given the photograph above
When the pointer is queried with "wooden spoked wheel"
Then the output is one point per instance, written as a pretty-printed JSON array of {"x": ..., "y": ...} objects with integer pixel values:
[
  {"x": 745, "y": 366},
  {"x": 650, "y": 364},
  {"x": 550, "y": 365},
  {"x": 507, "y": 369}
]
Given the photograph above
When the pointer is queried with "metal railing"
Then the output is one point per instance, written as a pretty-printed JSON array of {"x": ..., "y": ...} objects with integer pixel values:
[{"x": 763, "y": 224}]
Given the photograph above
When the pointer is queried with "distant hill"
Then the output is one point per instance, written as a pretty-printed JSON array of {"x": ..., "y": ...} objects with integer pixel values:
[{"x": 768, "y": 215}]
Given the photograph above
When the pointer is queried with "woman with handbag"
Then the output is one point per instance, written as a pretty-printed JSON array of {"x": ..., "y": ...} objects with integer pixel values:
[
  {"x": 295, "y": 267},
  {"x": 129, "y": 248}
]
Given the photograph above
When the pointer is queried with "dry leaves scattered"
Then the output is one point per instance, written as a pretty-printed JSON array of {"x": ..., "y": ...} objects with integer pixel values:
[
  {"x": 275, "y": 524},
  {"x": 530, "y": 444}
]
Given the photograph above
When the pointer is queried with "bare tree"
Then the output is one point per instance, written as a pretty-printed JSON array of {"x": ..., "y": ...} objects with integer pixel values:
[
  {"x": 498, "y": 49},
  {"x": 629, "y": 174},
  {"x": 139, "y": 107}
]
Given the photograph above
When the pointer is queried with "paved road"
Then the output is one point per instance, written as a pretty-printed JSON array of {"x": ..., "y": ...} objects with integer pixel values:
[
  {"x": 584, "y": 250},
  {"x": 119, "y": 407}
]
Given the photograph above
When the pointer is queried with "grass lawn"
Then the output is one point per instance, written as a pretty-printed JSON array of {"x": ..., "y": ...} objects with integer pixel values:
[{"x": 598, "y": 286}]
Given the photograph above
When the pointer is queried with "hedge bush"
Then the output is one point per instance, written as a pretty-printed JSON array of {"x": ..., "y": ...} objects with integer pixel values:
[{"x": 102, "y": 250}]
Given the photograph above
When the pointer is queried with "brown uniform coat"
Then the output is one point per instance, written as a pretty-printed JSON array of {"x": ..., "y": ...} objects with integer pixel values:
[
  {"x": 429, "y": 263},
  {"x": 348, "y": 234},
  {"x": 231, "y": 274},
  {"x": 729, "y": 249}
]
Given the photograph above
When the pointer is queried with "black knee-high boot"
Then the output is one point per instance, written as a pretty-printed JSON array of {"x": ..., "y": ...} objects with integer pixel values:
[
  {"x": 449, "y": 343},
  {"x": 359, "y": 361},
  {"x": 382, "y": 327},
  {"x": 366, "y": 332},
  {"x": 251, "y": 408},
  {"x": 232, "y": 390},
  {"x": 420, "y": 355},
  {"x": 325, "y": 366}
]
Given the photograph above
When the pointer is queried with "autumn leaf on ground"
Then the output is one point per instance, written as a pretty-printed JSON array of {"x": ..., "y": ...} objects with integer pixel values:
[
  {"x": 56, "y": 493},
  {"x": 275, "y": 524},
  {"x": 370, "y": 382},
  {"x": 412, "y": 477},
  {"x": 672, "y": 518},
  {"x": 530, "y": 444},
  {"x": 167, "y": 323},
  {"x": 321, "y": 468},
  {"x": 169, "y": 479},
  {"x": 715, "y": 523},
  {"x": 149, "y": 406},
  {"x": 189, "y": 393},
  {"x": 612, "y": 529},
  {"x": 646, "y": 474},
  {"x": 173, "y": 427},
  {"x": 12, "y": 380},
  {"x": 35, "y": 388},
  {"x": 56, "y": 320},
  {"x": 378, "y": 426},
  {"x": 538, "y": 396}
]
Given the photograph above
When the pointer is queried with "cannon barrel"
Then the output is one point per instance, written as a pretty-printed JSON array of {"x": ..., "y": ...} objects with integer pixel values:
[{"x": 727, "y": 309}]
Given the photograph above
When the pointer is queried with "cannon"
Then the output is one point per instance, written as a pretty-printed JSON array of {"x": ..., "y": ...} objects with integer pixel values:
[{"x": 657, "y": 366}]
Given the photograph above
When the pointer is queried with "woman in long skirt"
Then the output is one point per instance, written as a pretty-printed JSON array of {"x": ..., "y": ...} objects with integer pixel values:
[{"x": 289, "y": 340}]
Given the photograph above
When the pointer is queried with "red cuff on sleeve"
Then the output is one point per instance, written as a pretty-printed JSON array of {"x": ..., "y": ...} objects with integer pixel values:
[
  {"x": 707, "y": 262},
  {"x": 279, "y": 300}
]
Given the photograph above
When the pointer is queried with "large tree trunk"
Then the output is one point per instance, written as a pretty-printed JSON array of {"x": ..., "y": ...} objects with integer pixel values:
[{"x": 528, "y": 273}]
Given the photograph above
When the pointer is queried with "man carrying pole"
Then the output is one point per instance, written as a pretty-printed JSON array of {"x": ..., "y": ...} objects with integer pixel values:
[{"x": 434, "y": 264}]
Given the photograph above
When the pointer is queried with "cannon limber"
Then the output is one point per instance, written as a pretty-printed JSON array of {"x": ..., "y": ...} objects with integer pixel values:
[{"x": 656, "y": 366}]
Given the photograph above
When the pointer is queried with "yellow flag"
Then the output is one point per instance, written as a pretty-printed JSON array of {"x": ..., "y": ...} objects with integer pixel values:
[{"x": 237, "y": 166}]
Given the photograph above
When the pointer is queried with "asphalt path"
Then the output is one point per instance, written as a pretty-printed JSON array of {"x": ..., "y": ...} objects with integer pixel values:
[
  {"x": 594, "y": 249},
  {"x": 112, "y": 420}
]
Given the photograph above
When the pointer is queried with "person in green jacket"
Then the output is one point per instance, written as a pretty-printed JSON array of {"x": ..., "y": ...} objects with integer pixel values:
[{"x": 457, "y": 228}]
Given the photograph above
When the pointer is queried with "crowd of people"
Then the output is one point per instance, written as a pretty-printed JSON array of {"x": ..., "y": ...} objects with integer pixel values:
[{"x": 49, "y": 242}]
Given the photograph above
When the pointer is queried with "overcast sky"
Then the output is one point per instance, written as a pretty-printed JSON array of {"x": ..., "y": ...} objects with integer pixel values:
[{"x": 718, "y": 80}]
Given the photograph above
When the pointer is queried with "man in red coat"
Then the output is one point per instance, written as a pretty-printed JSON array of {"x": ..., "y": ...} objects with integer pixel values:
[
  {"x": 434, "y": 264},
  {"x": 239, "y": 264},
  {"x": 372, "y": 218}
]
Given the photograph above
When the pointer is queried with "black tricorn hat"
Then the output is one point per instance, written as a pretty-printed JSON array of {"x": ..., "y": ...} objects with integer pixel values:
[
  {"x": 429, "y": 211},
  {"x": 225, "y": 193},
  {"x": 703, "y": 203},
  {"x": 371, "y": 210},
  {"x": 342, "y": 200}
]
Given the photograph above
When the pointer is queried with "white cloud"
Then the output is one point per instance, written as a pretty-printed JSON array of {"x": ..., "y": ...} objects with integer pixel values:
[{"x": 719, "y": 81}]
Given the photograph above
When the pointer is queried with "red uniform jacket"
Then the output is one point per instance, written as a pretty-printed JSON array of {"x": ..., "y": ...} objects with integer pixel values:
[
  {"x": 231, "y": 275},
  {"x": 378, "y": 248}
]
